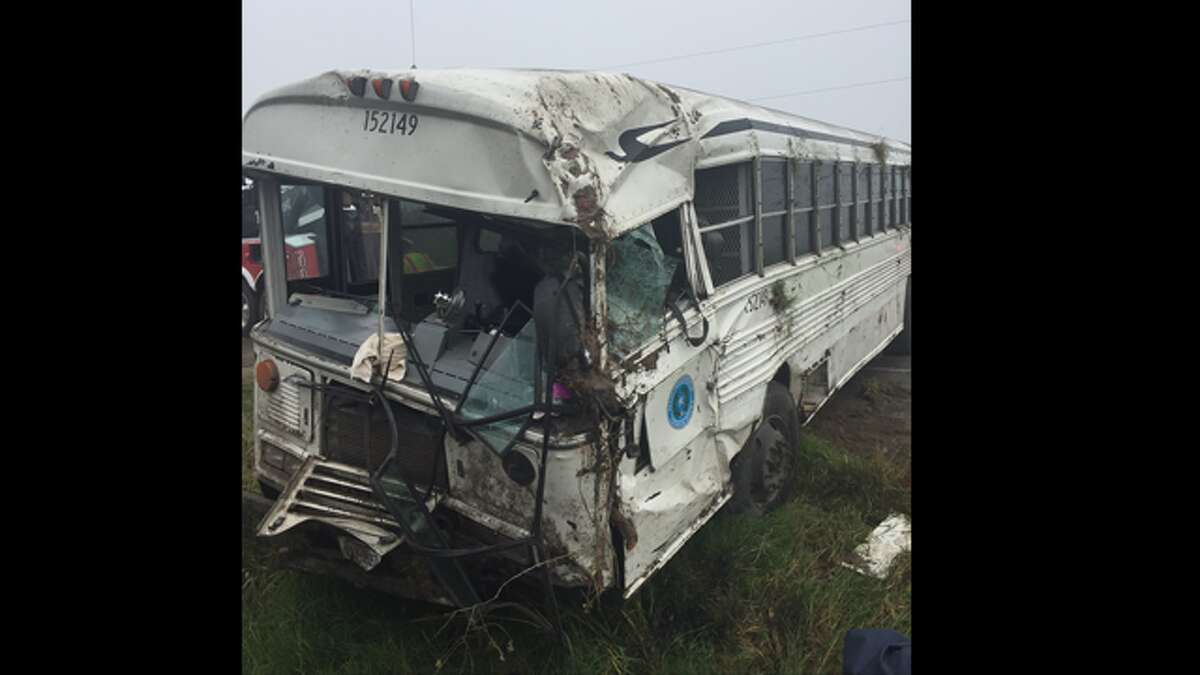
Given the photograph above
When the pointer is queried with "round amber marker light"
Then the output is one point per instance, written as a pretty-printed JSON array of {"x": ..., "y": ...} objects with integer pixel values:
[{"x": 267, "y": 375}]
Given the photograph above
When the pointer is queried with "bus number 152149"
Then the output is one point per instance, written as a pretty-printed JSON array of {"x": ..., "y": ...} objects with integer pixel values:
[{"x": 389, "y": 122}]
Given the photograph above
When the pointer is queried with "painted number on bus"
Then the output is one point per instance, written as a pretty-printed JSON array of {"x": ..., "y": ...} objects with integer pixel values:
[
  {"x": 386, "y": 122},
  {"x": 756, "y": 301}
]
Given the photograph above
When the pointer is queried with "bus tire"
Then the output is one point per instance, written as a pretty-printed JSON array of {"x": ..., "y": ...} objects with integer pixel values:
[
  {"x": 763, "y": 471},
  {"x": 903, "y": 342},
  {"x": 249, "y": 308}
]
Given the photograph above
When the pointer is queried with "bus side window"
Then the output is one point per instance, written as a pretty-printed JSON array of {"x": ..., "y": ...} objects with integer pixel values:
[
  {"x": 724, "y": 206},
  {"x": 774, "y": 211},
  {"x": 826, "y": 203},
  {"x": 845, "y": 201},
  {"x": 877, "y": 175},
  {"x": 892, "y": 189},
  {"x": 862, "y": 201},
  {"x": 802, "y": 207}
]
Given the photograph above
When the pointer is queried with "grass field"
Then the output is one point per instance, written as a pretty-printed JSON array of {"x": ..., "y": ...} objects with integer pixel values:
[{"x": 760, "y": 595}]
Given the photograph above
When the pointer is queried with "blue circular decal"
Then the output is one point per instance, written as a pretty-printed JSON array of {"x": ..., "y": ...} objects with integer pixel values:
[{"x": 681, "y": 403}]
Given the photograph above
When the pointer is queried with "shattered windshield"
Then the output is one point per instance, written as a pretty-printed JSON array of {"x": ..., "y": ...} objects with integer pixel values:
[{"x": 645, "y": 271}]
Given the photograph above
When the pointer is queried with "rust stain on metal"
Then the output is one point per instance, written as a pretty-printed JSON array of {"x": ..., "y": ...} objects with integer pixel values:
[
  {"x": 625, "y": 527},
  {"x": 585, "y": 203}
]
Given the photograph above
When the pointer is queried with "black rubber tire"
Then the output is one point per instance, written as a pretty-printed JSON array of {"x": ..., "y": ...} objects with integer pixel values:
[
  {"x": 903, "y": 342},
  {"x": 249, "y": 308},
  {"x": 268, "y": 490},
  {"x": 757, "y": 462}
]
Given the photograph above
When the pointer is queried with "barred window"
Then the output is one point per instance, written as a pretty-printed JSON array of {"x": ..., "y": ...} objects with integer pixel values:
[
  {"x": 723, "y": 193},
  {"x": 802, "y": 207},
  {"x": 775, "y": 231},
  {"x": 725, "y": 209},
  {"x": 904, "y": 179},
  {"x": 862, "y": 212},
  {"x": 872, "y": 187},
  {"x": 845, "y": 200},
  {"x": 880, "y": 199},
  {"x": 892, "y": 190},
  {"x": 826, "y": 203},
  {"x": 774, "y": 185}
]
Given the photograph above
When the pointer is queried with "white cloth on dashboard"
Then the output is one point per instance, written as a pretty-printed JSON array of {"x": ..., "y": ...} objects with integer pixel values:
[{"x": 367, "y": 359}]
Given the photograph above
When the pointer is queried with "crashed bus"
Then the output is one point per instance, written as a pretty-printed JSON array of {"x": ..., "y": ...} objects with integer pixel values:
[{"x": 560, "y": 318}]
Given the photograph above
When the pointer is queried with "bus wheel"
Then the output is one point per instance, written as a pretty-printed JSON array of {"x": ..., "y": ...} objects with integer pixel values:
[
  {"x": 763, "y": 470},
  {"x": 249, "y": 309}
]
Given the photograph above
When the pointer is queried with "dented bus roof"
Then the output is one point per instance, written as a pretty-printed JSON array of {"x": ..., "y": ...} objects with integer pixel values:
[{"x": 604, "y": 152}]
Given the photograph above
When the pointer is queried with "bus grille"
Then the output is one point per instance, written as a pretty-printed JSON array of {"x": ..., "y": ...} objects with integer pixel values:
[
  {"x": 283, "y": 407},
  {"x": 338, "y": 492},
  {"x": 358, "y": 435},
  {"x": 289, "y": 406}
]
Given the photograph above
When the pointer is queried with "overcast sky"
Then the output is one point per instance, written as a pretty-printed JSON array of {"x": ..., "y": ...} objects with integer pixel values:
[{"x": 288, "y": 40}]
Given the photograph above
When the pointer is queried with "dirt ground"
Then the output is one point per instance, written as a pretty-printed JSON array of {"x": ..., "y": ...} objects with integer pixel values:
[{"x": 873, "y": 411}]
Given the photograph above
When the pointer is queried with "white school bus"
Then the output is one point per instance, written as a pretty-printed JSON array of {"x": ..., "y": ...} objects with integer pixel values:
[{"x": 561, "y": 319}]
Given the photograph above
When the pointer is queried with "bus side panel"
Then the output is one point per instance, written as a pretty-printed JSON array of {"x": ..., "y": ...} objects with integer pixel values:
[
  {"x": 881, "y": 321},
  {"x": 800, "y": 316}
]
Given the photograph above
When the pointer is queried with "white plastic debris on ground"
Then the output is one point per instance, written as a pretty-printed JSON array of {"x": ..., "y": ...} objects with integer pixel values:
[
  {"x": 890, "y": 538},
  {"x": 367, "y": 362}
]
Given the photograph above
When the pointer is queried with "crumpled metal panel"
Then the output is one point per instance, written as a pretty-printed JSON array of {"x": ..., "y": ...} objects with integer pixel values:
[
  {"x": 337, "y": 495},
  {"x": 843, "y": 308},
  {"x": 604, "y": 152},
  {"x": 576, "y": 509}
]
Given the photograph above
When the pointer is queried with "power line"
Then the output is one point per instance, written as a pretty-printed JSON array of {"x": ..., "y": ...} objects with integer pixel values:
[
  {"x": 760, "y": 44},
  {"x": 845, "y": 86}
]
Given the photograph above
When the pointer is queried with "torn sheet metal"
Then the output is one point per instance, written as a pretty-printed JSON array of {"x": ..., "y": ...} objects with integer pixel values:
[
  {"x": 888, "y": 540},
  {"x": 575, "y": 520},
  {"x": 602, "y": 151},
  {"x": 337, "y": 495},
  {"x": 372, "y": 357},
  {"x": 665, "y": 506},
  {"x": 605, "y": 152}
]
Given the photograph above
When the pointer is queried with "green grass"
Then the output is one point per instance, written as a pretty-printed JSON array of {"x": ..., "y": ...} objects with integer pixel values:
[
  {"x": 248, "y": 482},
  {"x": 746, "y": 594}
]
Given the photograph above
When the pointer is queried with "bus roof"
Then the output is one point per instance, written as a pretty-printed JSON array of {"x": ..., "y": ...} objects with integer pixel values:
[{"x": 604, "y": 152}]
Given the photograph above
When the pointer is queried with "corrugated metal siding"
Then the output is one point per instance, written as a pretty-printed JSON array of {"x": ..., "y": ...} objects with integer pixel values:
[
  {"x": 283, "y": 407},
  {"x": 750, "y": 360}
]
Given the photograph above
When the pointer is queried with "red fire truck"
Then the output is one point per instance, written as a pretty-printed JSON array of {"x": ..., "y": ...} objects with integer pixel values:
[{"x": 301, "y": 245}]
